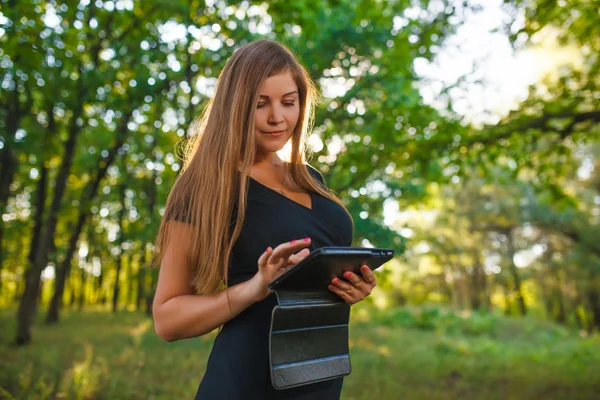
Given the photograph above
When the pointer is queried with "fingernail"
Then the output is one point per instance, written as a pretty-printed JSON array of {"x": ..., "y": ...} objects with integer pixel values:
[
  {"x": 292, "y": 242},
  {"x": 364, "y": 268},
  {"x": 336, "y": 281},
  {"x": 348, "y": 275},
  {"x": 268, "y": 249},
  {"x": 306, "y": 239}
]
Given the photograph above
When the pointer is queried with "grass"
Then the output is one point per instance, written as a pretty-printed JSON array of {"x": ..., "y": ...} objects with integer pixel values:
[{"x": 421, "y": 353}]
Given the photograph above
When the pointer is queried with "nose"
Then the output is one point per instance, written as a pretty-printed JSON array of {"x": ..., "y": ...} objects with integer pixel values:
[{"x": 275, "y": 116}]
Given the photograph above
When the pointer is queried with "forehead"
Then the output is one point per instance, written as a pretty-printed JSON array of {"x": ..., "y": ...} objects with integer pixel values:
[{"x": 278, "y": 85}]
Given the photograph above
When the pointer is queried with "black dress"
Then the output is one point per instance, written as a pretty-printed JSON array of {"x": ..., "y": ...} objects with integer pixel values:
[{"x": 238, "y": 366}]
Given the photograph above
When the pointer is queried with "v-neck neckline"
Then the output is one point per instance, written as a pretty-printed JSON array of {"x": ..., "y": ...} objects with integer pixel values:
[{"x": 312, "y": 200}]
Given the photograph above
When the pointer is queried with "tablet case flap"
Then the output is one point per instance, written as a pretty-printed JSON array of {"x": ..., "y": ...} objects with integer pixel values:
[{"x": 308, "y": 338}]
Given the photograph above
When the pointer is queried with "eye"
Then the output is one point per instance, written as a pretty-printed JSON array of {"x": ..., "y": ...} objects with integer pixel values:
[
  {"x": 260, "y": 105},
  {"x": 289, "y": 104}
]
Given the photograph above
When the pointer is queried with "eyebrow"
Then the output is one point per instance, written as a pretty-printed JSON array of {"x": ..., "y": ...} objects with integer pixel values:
[{"x": 285, "y": 95}]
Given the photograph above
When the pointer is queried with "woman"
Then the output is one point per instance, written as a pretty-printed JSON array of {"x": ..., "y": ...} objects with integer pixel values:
[{"x": 238, "y": 216}]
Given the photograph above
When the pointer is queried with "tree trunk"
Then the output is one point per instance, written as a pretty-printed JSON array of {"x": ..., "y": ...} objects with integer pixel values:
[
  {"x": 483, "y": 284},
  {"x": 507, "y": 305},
  {"x": 116, "y": 287},
  {"x": 120, "y": 240},
  {"x": 594, "y": 300},
  {"x": 475, "y": 290},
  {"x": 561, "y": 316},
  {"x": 555, "y": 303},
  {"x": 88, "y": 260},
  {"x": 546, "y": 291},
  {"x": 27, "y": 304},
  {"x": 130, "y": 281},
  {"x": 455, "y": 287},
  {"x": 62, "y": 273},
  {"x": 100, "y": 285},
  {"x": 480, "y": 296},
  {"x": 458, "y": 287},
  {"x": 8, "y": 158},
  {"x": 38, "y": 219},
  {"x": 446, "y": 289},
  {"x": 87, "y": 198},
  {"x": 82, "y": 288},
  {"x": 40, "y": 205},
  {"x": 72, "y": 293},
  {"x": 40, "y": 293},
  {"x": 517, "y": 289},
  {"x": 515, "y": 276},
  {"x": 546, "y": 296},
  {"x": 82, "y": 92},
  {"x": 47, "y": 238},
  {"x": 1, "y": 252},
  {"x": 17, "y": 289},
  {"x": 70, "y": 290},
  {"x": 141, "y": 278},
  {"x": 152, "y": 201},
  {"x": 59, "y": 286}
]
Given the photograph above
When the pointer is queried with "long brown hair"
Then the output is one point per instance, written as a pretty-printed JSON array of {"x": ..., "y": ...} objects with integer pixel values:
[{"x": 220, "y": 154}]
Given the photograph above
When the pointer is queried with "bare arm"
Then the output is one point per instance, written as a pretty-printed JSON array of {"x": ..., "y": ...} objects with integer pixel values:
[
  {"x": 179, "y": 313},
  {"x": 191, "y": 315}
]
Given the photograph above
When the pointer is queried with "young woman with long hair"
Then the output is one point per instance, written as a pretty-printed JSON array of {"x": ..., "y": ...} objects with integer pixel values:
[{"x": 238, "y": 216}]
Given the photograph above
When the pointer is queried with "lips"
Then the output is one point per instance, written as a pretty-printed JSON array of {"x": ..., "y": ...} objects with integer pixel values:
[{"x": 274, "y": 133}]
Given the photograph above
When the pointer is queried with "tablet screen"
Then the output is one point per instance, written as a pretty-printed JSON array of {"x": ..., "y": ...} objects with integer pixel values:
[{"x": 317, "y": 270}]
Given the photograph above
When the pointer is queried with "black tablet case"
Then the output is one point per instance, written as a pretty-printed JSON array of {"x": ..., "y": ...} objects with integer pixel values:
[{"x": 308, "y": 338}]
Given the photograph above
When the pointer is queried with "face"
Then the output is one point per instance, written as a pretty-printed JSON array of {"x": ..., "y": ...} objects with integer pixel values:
[{"x": 276, "y": 112}]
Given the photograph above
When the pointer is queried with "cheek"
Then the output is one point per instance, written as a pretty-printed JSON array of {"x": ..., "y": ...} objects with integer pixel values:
[
  {"x": 293, "y": 115},
  {"x": 259, "y": 118}
]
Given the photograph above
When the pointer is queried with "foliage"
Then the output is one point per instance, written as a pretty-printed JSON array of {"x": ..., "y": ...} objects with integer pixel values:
[{"x": 97, "y": 99}]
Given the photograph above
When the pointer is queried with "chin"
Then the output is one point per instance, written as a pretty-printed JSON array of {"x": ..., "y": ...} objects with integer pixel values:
[
  {"x": 270, "y": 148},
  {"x": 273, "y": 145}
]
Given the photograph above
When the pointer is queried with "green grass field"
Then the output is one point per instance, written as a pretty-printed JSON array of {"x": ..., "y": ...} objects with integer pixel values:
[{"x": 427, "y": 353}]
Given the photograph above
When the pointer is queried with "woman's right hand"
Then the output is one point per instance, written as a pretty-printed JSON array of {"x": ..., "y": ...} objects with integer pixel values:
[{"x": 274, "y": 262}]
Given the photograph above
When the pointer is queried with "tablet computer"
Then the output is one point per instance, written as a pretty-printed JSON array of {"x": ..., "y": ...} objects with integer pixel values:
[{"x": 316, "y": 271}]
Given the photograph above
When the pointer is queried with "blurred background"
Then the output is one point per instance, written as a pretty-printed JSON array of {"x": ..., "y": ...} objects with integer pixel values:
[{"x": 463, "y": 134}]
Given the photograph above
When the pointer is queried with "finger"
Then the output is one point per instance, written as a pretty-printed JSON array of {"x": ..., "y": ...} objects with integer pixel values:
[
  {"x": 285, "y": 250},
  {"x": 280, "y": 256},
  {"x": 368, "y": 275},
  {"x": 343, "y": 295},
  {"x": 345, "y": 286},
  {"x": 353, "y": 278},
  {"x": 293, "y": 260},
  {"x": 357, "y": 293},
  {"x": 296, "y": 258},
  {"x": 264, "y": 257}
]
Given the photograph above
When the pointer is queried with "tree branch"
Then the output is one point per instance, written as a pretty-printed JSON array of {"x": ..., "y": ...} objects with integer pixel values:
[{"x": 540, "y": 123}]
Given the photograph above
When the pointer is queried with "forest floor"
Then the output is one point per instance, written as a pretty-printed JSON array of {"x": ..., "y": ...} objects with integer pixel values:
[{"x": 402, "y": 353}]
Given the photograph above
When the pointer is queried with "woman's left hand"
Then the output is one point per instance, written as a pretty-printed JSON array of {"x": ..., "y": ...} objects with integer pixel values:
[{"x": 357, "y": 287}]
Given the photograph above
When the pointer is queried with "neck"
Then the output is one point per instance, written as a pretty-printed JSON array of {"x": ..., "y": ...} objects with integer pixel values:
[{"x": 268, "y": 160}]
